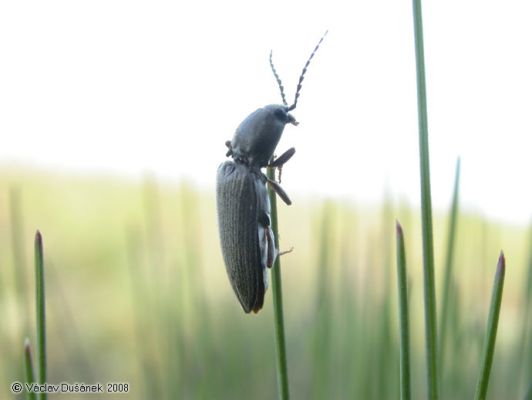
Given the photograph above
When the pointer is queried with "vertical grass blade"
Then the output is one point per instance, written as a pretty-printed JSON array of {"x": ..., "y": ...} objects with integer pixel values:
[
  {"x": 387, "y": 350},
  {"x": 448, "y": 268},
  {"x": 28, "y": 365},
  {"x": 19, "y": 259},
  {"x": 403, "y": 316},
  {"x": 277, "y": 293},
  {"x": 143, "y": 337},
  {"x": 41, "y": 314},
  {"x": 491, "y": 334},
  {"x": 524, "y": 345},
  {"x": 323, "y": 317},
  {"x": 426, "y": 208}
]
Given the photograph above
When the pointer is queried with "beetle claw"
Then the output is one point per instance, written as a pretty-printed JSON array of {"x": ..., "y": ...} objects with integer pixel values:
[{"x": 282, "y": 253}]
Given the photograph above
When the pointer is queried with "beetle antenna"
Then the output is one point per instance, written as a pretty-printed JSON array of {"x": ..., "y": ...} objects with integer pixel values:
[
  {"x": 278, "y": 79},
  {"x": 299, "y": 84}
]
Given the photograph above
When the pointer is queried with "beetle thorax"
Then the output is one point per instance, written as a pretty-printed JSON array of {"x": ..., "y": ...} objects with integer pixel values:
[{"x": 257, "y": 136}]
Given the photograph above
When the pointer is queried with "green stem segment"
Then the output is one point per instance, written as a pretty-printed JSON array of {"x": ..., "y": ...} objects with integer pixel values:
[
  {"x": 41, "y": 315},
  {"x": 277, "y": 293},
  {"x": 403, "y": 315},
  {"x": 426, "y": 208},
  {"x": 28, "y": 364},
  {"x": 448, "y": 270},
  {"x": 493, "y": 321}
]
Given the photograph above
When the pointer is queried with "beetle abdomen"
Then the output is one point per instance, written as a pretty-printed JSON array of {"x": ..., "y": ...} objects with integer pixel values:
[{"x": 238, "y": 221}]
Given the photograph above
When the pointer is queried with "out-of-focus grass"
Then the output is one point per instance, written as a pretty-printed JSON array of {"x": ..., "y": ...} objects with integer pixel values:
[
  {"x": 491, "y": 334},
  {"x": 448, "y": 270},
  {"x": 431, "y": 341},
  {"x": 29, "y": 370},
  {"x": 40, "y": 306},
  {"x": 404, "y": 324},
  {"x": 137, "y": 292}
]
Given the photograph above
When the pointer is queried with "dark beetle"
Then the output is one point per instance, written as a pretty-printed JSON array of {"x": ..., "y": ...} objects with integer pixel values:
[{"x": 243, "y": 204}]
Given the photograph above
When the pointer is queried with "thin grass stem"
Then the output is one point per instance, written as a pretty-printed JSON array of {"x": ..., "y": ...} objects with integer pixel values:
[
  {"x": 448, "y": 268},
  {"x": 524, "y": 346},
  {"x": 403, "y": 316},
  {"x": 491, "y": 334},
  {"x": 323, "y": 309},
  {"x": 19, "y": 259},
  {"x": 28, "y": 365},
  {"x": 41, "y": 314},
  {"x": 426, "y": 208},
  {"x": 277, "y": 293}
]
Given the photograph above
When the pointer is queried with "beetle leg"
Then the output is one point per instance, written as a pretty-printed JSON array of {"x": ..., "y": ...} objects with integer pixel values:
[
  {"x": 272, "y": 251},
  {"x": 283, "y": 158},
  {"x": 279, "y": 190},
  {"x": 280, "y": 168},
  {"x": 230, "y": 151},
  {"x": 282, "y": 253},
  {"x": 263, "y": 244},
  {"x": 266, "y": 241}
]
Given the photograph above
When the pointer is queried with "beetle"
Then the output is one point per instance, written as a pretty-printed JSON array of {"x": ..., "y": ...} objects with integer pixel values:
[{"x": 243, "y": 205}]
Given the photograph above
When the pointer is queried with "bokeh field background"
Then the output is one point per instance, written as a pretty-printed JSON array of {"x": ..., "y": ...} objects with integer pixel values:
[
  {"x": 137, "y": 292},
  {"x": 113, "y": 118}
]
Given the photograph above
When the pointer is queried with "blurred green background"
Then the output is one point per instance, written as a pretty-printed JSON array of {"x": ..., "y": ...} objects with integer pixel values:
[{"x": 137, "y": 292}]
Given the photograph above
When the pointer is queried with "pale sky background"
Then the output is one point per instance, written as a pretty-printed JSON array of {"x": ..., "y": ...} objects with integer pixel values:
[{"x": 125, "y": 87}]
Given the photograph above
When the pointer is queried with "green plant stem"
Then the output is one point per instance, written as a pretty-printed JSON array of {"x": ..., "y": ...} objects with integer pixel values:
[
  {"x": 277, "y": 293},
  {"x": 19, "y": 258},
  {"x": 426, "y": 208},
  {"x": 403, "y": 315},
  {"x": 41, "y": 315},
  {"x": 321, "y": 376},
  {"x": 491, "y": 334},
  {"x": 28, "y": 364},
  {"x": 524, "y": 347},
  {"x": 448, "y": 269}
]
